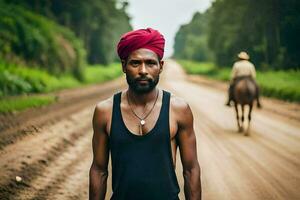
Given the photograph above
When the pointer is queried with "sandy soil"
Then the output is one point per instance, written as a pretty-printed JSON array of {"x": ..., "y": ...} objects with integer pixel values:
[{"x": 50, "y": 147}]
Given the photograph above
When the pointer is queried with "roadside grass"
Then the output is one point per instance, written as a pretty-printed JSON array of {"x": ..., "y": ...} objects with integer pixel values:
[
  {"x": 283, "y": 85},
  {"x": 100, "y": 73},
  {"x": 11, "y": 104},
  {"x": 16, "y": 82}
]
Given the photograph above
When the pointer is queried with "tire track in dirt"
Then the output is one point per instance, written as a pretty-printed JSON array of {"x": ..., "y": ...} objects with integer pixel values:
[
  {"x": 76, "y": 185},
  {"x": 15, "y": 127},
  {"x": 58, "y": 171},
  {"x": 30, "y": 155},
  {"x": 35, "y": 147},
  {"x": 31, "y": 170}
]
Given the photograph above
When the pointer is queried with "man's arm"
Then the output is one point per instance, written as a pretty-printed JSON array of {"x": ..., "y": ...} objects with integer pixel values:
[
  {"x": 188, "y": 152},
  {"x": 233, "y": 71},
  {"x": 98, "y": 171}
]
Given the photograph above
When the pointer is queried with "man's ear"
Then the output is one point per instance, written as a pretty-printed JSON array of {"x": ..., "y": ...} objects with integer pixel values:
[
  {"x": 123, "y": 65},
  {"x": 161, "y": 65}
]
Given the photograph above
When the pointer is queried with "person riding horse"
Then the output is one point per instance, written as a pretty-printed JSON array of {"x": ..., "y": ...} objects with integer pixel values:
[{"x": 242, "y": 69}]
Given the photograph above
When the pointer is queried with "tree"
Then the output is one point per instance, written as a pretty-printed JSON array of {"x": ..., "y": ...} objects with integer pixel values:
[{"x": 191, "y": 40}]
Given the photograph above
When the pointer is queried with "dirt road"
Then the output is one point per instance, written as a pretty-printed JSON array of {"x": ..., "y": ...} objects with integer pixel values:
[{"x": 50, "y": 148}]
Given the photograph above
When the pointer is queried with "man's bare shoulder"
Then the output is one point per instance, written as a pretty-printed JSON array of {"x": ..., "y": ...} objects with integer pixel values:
[
  {"x": 180, "y": 108},
  {"x": 105, "y": 105},
  {"x": 102, "y": 112},
  {"x": 178, "y": 103}
]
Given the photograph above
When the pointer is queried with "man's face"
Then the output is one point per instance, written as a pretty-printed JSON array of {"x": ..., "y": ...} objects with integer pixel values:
[{"x": 142, "y": 70}]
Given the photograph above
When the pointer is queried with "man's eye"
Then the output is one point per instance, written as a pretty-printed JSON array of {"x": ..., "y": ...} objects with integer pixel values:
[
  {"x": 152, "y": 63},
  {"x": 135, "y": 63}
]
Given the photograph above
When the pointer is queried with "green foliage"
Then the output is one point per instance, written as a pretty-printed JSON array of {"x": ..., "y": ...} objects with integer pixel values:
[
  {"x": 279, "y": 84},
  {"x": 37, "y": 55},
  {"x": 268, "y": 30},
  {"x": 100, "y": 73},
  {"x": 98, "y": 23},
  {"x": 17, "y": 79},
  {"x": 11, "y": 104},
  {"x": 29, "y": 38},
  {"x": 205, "y": 68},
  {"x": 191, "y": 40},
  {"x": 289, "y": 32}
]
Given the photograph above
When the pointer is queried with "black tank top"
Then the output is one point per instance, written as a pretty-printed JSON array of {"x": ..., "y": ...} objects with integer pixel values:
[{"x": 142, "y": 166}]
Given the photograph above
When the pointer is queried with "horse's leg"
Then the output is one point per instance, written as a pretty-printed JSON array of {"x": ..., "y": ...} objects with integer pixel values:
[
  {"x": 237, "y": 116},
  {"x": 243, "y": 112},
  {"x": 249, "y": 118}
]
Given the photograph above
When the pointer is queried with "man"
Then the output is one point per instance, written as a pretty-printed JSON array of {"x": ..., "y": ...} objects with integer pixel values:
[
  {"x": 141, "y": 128},
  {"x": 242, "y": 69}
]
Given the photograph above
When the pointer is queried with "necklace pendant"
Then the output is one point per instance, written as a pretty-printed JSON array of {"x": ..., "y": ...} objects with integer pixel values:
[{"x": 143, "y": 122}]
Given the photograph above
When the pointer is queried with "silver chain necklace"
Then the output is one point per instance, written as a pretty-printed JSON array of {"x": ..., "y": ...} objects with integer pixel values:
[{"x": 142, "y": 119}]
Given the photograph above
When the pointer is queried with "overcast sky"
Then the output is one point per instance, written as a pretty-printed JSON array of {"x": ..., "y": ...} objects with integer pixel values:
[{"x": 164, "y": 15}]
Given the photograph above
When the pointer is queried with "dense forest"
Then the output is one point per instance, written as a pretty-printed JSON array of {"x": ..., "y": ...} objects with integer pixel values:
[
  {"x": 61, "y": 36},
  {"x": 191, "y": 40},
  {"x": 268, "y": 30}
]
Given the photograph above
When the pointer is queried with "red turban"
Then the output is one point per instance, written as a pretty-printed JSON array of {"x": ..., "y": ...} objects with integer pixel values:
[{"x": 143, "y": 38}]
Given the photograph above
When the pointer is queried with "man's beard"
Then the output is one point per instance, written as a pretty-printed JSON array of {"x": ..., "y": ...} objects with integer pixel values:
[{"x": 142, "y": 88}]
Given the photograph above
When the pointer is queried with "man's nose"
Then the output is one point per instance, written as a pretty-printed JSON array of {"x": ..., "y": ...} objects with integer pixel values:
[{"x": 143, "y": 69}]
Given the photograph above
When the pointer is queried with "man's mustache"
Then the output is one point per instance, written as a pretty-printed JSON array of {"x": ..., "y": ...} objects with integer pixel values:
[{"x": 143, "y": 79}]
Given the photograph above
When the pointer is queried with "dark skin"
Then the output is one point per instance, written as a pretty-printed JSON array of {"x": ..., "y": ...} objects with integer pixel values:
[{"x": 145, "y": 63}]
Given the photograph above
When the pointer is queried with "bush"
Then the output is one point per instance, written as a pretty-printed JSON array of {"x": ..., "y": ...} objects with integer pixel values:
[
  {"x": 33, "y": 40},
  {"x": 100, "y": 73},
  {"x": 17, "y": 79}
]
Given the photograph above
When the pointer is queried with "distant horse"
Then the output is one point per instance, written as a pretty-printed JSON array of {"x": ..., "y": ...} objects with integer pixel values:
[{"x": 244, "y": 93}]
